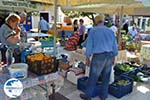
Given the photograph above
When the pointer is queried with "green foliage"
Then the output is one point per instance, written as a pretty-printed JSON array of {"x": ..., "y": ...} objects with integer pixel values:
[{"x": 74, "y": 14}]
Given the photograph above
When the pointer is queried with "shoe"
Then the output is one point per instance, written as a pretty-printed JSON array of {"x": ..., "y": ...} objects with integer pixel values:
[{"x": 84, "y": 97}]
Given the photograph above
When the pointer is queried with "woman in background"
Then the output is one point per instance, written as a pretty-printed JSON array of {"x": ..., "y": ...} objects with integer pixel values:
[
  {"x": 75, "y": 25},
  {"x": 81, "y": 33}
]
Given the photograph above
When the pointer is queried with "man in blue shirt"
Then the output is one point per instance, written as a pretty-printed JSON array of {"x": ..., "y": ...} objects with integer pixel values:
[
  {"x": 102, "y": 47},
  {"x": 43, "y": 25}
]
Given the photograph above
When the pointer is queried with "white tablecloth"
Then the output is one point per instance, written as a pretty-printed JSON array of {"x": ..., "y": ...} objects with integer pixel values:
[
  {"x": 30, "y": 82},
  {"x": 37, "y": 35}
]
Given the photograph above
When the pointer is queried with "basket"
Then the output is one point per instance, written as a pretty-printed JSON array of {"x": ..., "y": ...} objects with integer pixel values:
[
  {"x": 42, "y": 67},
  {"x": 82, "y": 84},
  {"x": 121, "y": 90}
]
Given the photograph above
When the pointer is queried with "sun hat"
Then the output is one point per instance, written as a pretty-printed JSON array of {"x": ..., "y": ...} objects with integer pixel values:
[{"x": 99, "y": 19}]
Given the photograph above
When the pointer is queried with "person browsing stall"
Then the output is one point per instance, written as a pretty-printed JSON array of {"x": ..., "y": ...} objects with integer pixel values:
[
  {"x": 75, "y": 25},
  {"x": 101, "y": 47},
  {"x": 23, "y": 33},
  {"x": 133, "y": 32},
  {"x": 82, "y": 33},
  {"x": 43, "y": 25},
  {"x": 9, "y": 33}
]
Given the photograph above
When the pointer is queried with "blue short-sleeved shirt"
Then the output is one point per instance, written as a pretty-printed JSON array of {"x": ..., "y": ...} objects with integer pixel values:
[{"x": 101, "y": 39}]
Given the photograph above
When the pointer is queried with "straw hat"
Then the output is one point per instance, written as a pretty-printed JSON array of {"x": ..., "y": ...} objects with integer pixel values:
[{"x": 99, "y": 18}]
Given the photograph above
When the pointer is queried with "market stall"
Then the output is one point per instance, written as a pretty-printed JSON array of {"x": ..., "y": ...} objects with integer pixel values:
[
  {"x": 41, "y": 79},
  {"x": 30, "y": 82}
]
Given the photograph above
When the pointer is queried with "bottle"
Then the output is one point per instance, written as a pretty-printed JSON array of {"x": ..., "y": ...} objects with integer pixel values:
[{"x": 9, "y": 56}]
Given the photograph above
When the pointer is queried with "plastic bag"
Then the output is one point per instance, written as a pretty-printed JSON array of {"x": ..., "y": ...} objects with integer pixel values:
[
  {"x": 87, "y": 71},
  {"x": 112, "y": 75}
]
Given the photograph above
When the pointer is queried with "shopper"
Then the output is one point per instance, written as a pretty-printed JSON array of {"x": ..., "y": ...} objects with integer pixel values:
[
  {"x": 125, "y": 27},
  {"x": 9, "y": 34},
  {"x": 81, "y": 33},
  {"x": 75, "y": 25},
  {"x": 114, "y": 29},
  {"x": 133, "y": 32},
  {"x": 43, "y": 25},
  {"x": 102, "y": 47},
  {"x": 23, "y": 33}
]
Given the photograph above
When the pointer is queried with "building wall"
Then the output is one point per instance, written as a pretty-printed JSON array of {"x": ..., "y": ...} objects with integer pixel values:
[
  {"x": 143, "y": 23},
  {"x": 42, "y": 8}
]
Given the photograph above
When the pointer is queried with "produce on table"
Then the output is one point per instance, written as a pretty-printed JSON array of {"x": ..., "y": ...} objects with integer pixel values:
[
  {"x": 49, "y": 38},
  {"x": 131, "y": 46},
  {"x": 123, "y": 82},
  {"x": 127, "y": 37},
  {"x": 40, "y": 63},
  {"x": 124, "y": 67}
]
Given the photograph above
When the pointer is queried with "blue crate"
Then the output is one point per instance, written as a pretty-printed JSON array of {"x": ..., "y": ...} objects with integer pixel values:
[
  {"x": 82, "y": 84},
  {"x": 45, "y": 43},
  {"x": 121, "y": 90},
  {"x": 24, "y": 53},
  {"x": 119, "y": 72},
  {"x": 132, "y": 63},
  {"x": 146, "y": 71}
]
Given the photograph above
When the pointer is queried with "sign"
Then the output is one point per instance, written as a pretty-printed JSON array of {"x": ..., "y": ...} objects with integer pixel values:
[
  {"x": 19, "y": 4},
  {"x": 13, "y": 88}
]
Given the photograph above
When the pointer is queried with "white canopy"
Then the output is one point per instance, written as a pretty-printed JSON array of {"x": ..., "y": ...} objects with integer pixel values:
[{"x": 107, "y": 8}]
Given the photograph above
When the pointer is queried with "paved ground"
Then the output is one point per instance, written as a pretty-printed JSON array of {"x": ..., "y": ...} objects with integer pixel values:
[{"x": 141, "y": 91}]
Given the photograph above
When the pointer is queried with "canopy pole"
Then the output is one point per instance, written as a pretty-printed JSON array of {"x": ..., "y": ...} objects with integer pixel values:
[
  {"x": 119, "y": 30},
  {"x": 121, "y": 15},
  {"x": 55, "y": 25}
]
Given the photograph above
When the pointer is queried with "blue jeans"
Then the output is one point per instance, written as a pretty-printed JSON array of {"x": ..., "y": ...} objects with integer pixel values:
[{"x": 100, "y": 66}]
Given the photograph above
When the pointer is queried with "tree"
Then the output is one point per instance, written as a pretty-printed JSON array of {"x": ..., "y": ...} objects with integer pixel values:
[{"x": 73, "y": 14}]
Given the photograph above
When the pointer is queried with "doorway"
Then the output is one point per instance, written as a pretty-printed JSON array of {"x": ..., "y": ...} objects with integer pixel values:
[{"x": 45, "y": 15}]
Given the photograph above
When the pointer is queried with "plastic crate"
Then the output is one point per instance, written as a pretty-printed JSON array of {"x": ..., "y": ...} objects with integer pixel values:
[
  {"x": 82, "y": 84},
  {"x": 45, "y": 43},
  {"x": 42, "y": 67},
  {"x": 121, "y": 90},
  {"x": 24, "y": 53},
  {"x": 146, "y": 71},
  {"x": 119, "y": 72},
  {"x": 133, "y": 64}
]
